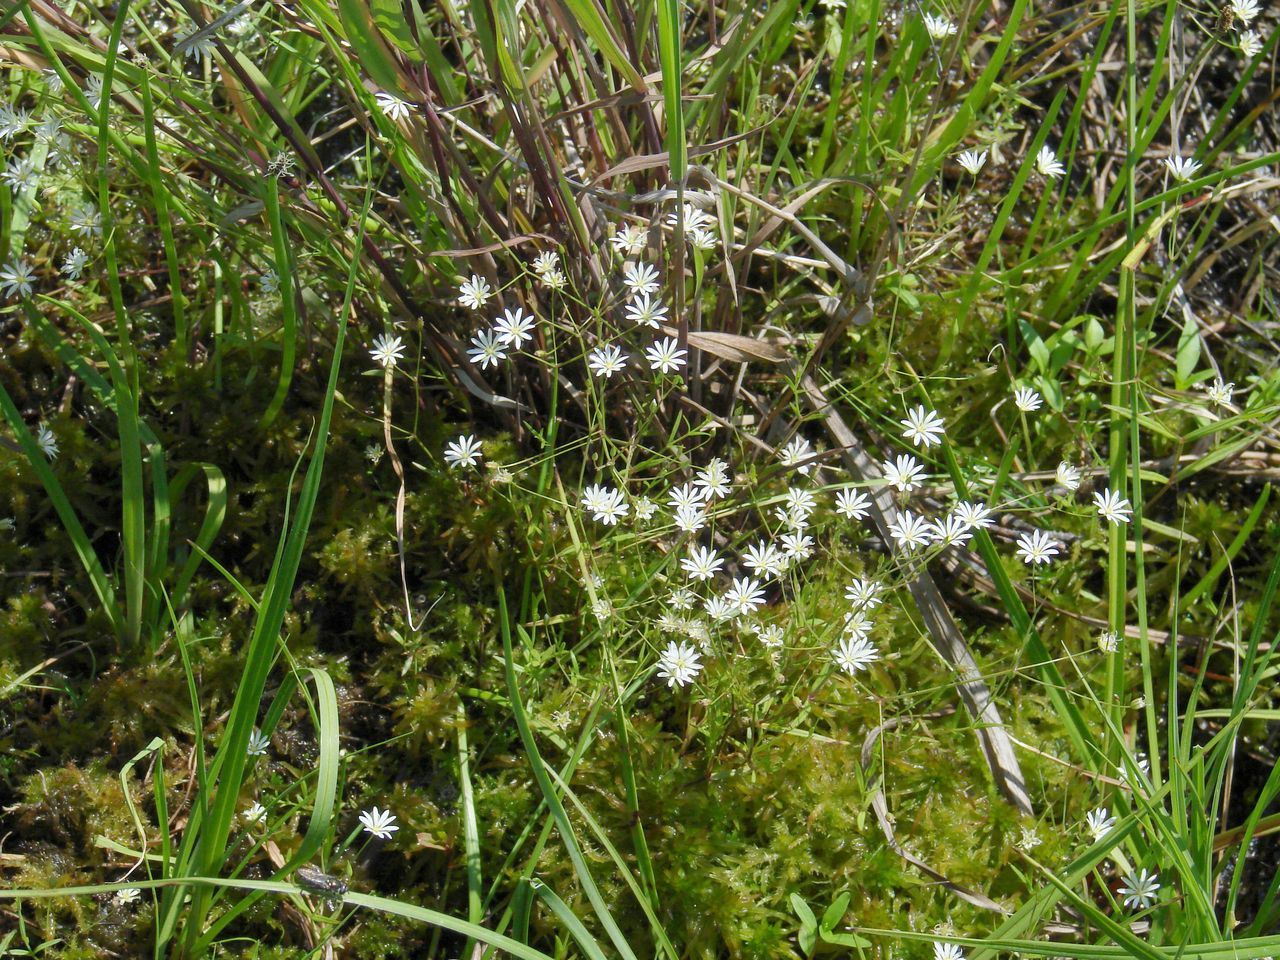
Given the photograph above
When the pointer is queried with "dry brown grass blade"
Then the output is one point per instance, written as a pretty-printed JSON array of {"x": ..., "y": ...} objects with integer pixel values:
[
  {"x": 943, "y": 631},
  {"x": 881, "y": 806},
  {"x": 733, "y": 347}
]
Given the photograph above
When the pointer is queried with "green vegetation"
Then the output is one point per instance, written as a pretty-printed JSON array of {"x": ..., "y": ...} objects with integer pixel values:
[{"x": 572, "y": 478}]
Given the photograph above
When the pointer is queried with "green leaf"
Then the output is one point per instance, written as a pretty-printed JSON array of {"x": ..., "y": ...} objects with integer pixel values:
[{"x": 1188, "y": 352}]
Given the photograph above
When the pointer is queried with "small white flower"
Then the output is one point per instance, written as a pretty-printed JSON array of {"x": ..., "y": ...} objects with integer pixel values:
[
  {"x": 1047, "y": 163},
  {"x": 1111, "y": 506},
  {"x": 644, "y": 309},
  {"x": 686, "y": 495},
  {"x": 1109, "y": 641},
  {"x": 606, "y": 361},
  {"x": 951, "y": 530},
  {"x": 1026, "y": 399},
  {"x": 269, "y": 282},
  {"x": 380, "y": 823},
  {"x": 1140, "y": 889},
  {"x": 939, "y": 28},
  {"x": 387, "y": 350},
  {"x": 1182, "y": 168},
  {"x": 553, "y": 280},
  {"x": 20, "y": 174},
  {"x": 640, "y": 277},
  {"x": 764, "y": 559},
  {"x": 794, "y": 453},
  {"x": 13, "y": 122},
  {"x": 546, "y": 262},
  {"x": 771, "y": 636},
  {"x": 628, "y": 241},
  {"x": 746, "y": 595},
  {"x": 855, "y": 653},
  {"x": 16, "y": 278},
  {"x": 1099, "y": 823},
  {"x": 1250, "y": 44},
  {"x": 605, "y": 504},
  {"x": 682, "y": 598},
  {"x": 690, "y": 519},
  {"x": 47, "y": 442},
  {"x": 86, "y": 220},
  {"x": 1037, "y": 547},
  {"x": 474, "y": 292},
  {"x": 797, "y": 545},
  {"x": 853, "y": 504},
  {"x": 665, "y": 356},
  {"x": 714, "y": 480},
  {"x": 679, "y": 664},
  {"x": 463, "y": 452},
  {"x": 693, "y": 217},
  {"x": 910, "y": 531},
  {"x": 1219, "y": 393},
  {"x": 1245, "y": 10},
  {"x": 702, "y": 563},
  {"x": 863, "y": 594},
  {"x": 514, "y": 328},
  {"x": 644, "y": 509},
  {"x": 796, "y": 507},
  {"x": 1068, "y": 476},
  {"x": 972, "y": 161},
  {"x": 486, "y": 349},
  {"x": 255, "y": 814},
  {"x": 197, "y": 47},
  {"x": 923, "y": 427},
  {"x": 128, "y": 895},
  {"x": 947, "y": 951},
  {"x": 857, "y": 624},
  {"x": 395, "y": 109},
  {"x": 976, "y": 516},
  {"x": 258, "y": 744},
  {"x": 700, "y": 238},
  {"x": 903, "y": 472}
]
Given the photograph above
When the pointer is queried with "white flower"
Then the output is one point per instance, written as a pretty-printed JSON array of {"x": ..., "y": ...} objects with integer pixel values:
[
  {"x": 702, "y": 563},
  {"x": 20, "y": 174},
  {"x": 640, "y": 277},
  {"x": 553, "y": 280},
  {"x": 86, "y": 220},
  {"x": 1047, "y": 163},
  {"x": 606, "y": 361},
  {"x": 1250, "y": 44},
  {"x": 796, "y": 506},
  {"x": 16, "y": 277},
  {"x": 1219, "y": 393},
  {"x": 1111, "y": 506},
  {"x": 910, "y": 531},
  {"x": 644, "y": 508},
  {"x": 128, "y": 894},
  {"x": 771, "y": 636},
  {"x": 198, "y": 47},
  {"x": 746, "y": 595},
  {"x": 693, "y": 217},
  {"x": 951, "y": 530},
  {"x": 1037, "y": 547},
  {"x": 903, "y": 472},
  {"x": 1099, "y": 823},
  {"x": 700, "y": 238},
  {"x": 605, "y": 504},
  {"x": 1109, "y": 641},
  {"x": 855, "y": 653},
  {"x": 863, "y": 594},
  {"x": 1068, "y": 476},
  {"x": 1139, "y": 889},
  {"x": 686, "y": 495},
  {"x": 93, "y": 90},
  {"x": 1182, "y": 168},
  {"x": 255, "y": 814},
  {"x": 679, "y": 663},
  {"x": 857, "y": 624},
  {"x": 546, "y": 262},
  {"x": 923, "y": 426},
  {"x": 258, "y": 744},
  {"x": 47, "y": 442},
  {"x": 13, "y": 122},
  {"x": 486, "y": 349},
  {"x": 628, "y": 241},
  {"x": 269, "y": 282},
  {"x": 1026, "y": 399},
  {"x": 645, "y": 309},
  {"x": 463, "y": 452},
  {"x": 939, "y": 28},
  {"x": 514, "y": 327},
  {"x": 392, "y": 106},
  {"x": 690, "y": 519},
  {"x": 947, "y": 951},
  {"x": 380, "y": 823},
  {"x": 972, "y": 161},
  {"x": 794, "y": 453},
  {"x": 682, "y": 598},
  {"x": 475, "y": 292},
  {"x": 1244, "y": 10},
  {"x": 764, "y": 559},
  {"x": 387, "y": 350},
  {"x": 714, "y": 480},
  {"x": 852, "y": 504},
  {"x": 976, "y": 516},
  {"x": 797, "y": 546},
  {"x": 665, "y": 356}
]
